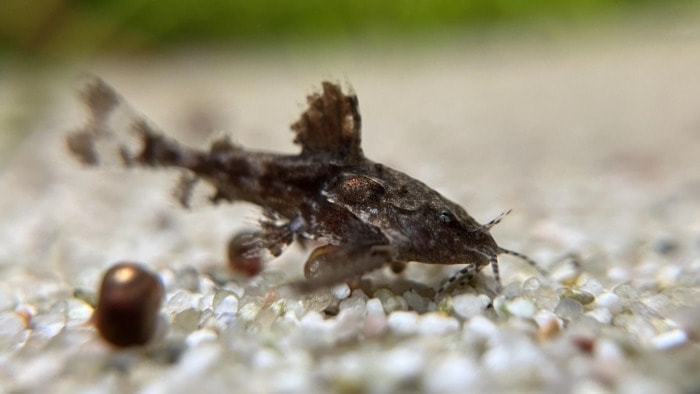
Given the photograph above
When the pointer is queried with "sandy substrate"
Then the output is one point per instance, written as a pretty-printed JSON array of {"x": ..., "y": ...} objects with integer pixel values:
[{"x": 594, "y": 146}]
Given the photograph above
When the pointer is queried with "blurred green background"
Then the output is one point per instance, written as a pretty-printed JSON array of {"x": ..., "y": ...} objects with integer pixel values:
[
  {"x": 75, "y": 28},
  {"x": 39, "y": 38}
]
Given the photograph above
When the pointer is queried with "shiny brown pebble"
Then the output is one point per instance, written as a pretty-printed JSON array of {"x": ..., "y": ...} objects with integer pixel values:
[
  {"x": 241, "y": 258},
  {"x": 128, "y": 306}
]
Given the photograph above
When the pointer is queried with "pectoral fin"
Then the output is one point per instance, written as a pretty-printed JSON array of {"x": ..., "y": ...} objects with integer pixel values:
[{"x": 329, "y": 265}]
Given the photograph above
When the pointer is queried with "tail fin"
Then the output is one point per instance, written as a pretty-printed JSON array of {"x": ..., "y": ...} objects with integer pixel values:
[{"x": 115, "y": 134}]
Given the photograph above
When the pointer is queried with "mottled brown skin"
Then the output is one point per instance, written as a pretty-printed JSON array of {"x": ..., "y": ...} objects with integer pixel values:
[
  {"x": 128, "y": 306},
  {"x": 373, "y": 215}
]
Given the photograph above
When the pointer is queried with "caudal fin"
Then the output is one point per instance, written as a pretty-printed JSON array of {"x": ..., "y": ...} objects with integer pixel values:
[{"x": 114, "y": 134}]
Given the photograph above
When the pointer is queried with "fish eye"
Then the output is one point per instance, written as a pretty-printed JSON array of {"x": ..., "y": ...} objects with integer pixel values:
[{"x": 446, "y": 217}]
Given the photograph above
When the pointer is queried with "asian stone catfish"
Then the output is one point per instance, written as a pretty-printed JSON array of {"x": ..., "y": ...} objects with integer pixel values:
[{"x": 366, "y": 214}]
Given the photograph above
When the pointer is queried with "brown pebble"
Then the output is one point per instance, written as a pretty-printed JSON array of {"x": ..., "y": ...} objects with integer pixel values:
[
  {"x": 548, "y": 330},
  {"x": 398, "y": 267},
  {"x": 241, "y": 256},
  {"x": 584, "y": 344},
  {"x": 128, "y": 305},
  {"x": 581, "y": 296}
]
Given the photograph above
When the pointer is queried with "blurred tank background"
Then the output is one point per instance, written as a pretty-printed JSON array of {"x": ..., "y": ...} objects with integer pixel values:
[
  {"x": 40, "y": 38},
  {"x": 51, "y": 29}
]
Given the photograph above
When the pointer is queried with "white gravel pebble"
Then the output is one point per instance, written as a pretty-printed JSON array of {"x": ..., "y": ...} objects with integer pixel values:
[
  {"x": 521, "y": 307},
  {"x": 602, "y": 315},
  {"x": 341, "y": 291},
  {"x": 228, "y": 305},
  {"x": 12, "y": 330},
  {"x": 436, "y": 323},
  {"x": 468, "y": 305},
  {"x": 608, "y": 350},
  {"x": 618, "y": 274},
  {"x": 198, "y": 337},
  {"x": 374, "y": 306},
  {"x": 592, "y": 286},
  {"x": 516, "y": 357},
  {"x": 611, "y": 301},
  {"x": 43, "y": 368},
  {"x": 375, "y": 322},
  {"x": 265, "y": 359},
  {"x": 481, "y": 326},
  {"x": 401, "y": 363},
  {"x": 403, "y": 322},
  {"x": 354, "y": 303},
  {"x": 669, "y": 339},
  {"x": 544, "y": 317},
  {"x": 453, "y": 374},
  {"x": 197, "y": 361},
  {"x": 348, "y": 323},
  {"x": 314, "y": 321},
  {"x": 669, "y": 274}
]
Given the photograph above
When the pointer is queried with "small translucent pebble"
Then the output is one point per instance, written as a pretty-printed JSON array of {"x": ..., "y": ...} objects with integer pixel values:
[
  {"x": 187, "y": 320},
  {"x": 394, "y": 303},
  {"x": 531, "y": 285},
  {"x": 317, "y": 301},
  {"x": 228, "y": 305},
  {"x": 568, "y": 308},
  {"x": 250, "y": 308},
  {"x": 521, "y": 307},
  {"x": 128, "y": 305},
  {"x": 355, "y": 303},
  {"x": 416, "y": 302},
  {"x": 383, "y": 294},
  {"x": 592, "y": 286},
  {"x": 188, "y": 279},
  {"x": 180, "y": 301},
  {"x": 602, "y": 315},
  {"x": 581, "y": 296},
  {"x": 626, "y": 293},
  {"x": 318, "y": 261}
]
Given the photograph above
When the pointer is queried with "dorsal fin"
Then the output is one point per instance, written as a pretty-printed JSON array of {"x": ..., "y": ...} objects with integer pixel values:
[{"x": 330, "y": 125}]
